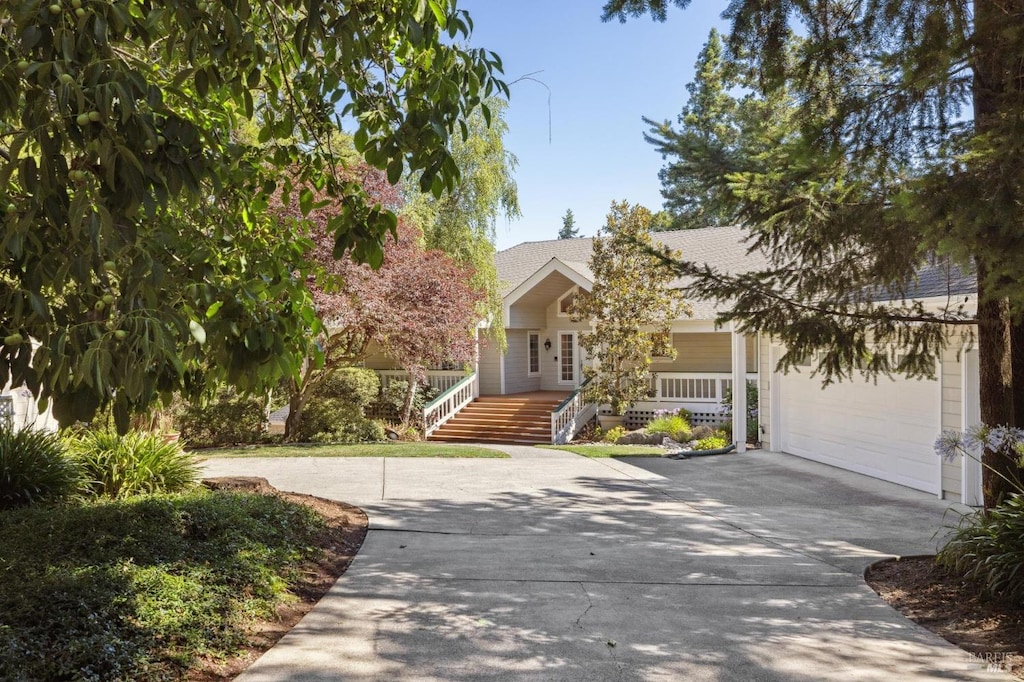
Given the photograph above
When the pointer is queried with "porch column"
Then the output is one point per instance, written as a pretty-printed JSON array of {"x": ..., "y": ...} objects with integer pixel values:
[{"x": 739, "y": 390}]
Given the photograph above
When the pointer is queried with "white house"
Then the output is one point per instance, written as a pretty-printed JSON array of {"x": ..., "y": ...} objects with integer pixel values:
[{"x": 883, "y": 429}]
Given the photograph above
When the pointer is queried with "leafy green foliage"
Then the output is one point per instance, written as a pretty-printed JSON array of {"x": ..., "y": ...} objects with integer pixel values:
[
  {"x": 631, "y": 308},
  {"x": 753, "y": 434},
  {"x": 231, "y": 418},
  {"x": 988, "y": 548},
  {"x": 613, "y": 434},
  {"x": 461, "y": 223},
  {"x": 141, "y": 141},
  {"x": 335, "y": 411},
  {"x": 674, "y": 425},
  {"x": 140, "y": 588},
  {"x": 120, "y": 466},
  {"x": 34, "y": 467},
  {"x": 711, "y": 443}
]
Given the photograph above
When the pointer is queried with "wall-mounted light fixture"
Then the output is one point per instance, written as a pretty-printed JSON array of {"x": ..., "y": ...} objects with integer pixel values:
[{"x": 547, "y": 344}]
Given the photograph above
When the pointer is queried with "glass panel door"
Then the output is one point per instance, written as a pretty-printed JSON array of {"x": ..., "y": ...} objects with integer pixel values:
[{"x": 567, "y": 357}]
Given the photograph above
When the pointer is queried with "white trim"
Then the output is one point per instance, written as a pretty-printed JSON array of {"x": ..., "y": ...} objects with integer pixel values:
[
  {"x": 558, "y": 304},
  {"x": 552, "y": 266},
  {"x": 774, "y": 400},
  {"x": 575, "y": 381},
  {"x": 739, "y": 390},
  {"x": 529, "y": 372},
  {"x": 971, "y": 470}
]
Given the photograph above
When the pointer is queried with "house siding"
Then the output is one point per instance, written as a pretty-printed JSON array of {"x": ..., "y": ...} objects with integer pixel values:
[
  {"x": 376, "y": 359},
  {"x": 516, "y": 367},
  {"x": 952, "y": 414},
  {"x": 704, "y": 352},
  {"x": 489, "y": 368}
]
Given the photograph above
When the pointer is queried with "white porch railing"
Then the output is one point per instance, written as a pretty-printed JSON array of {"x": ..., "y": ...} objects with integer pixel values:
[
  {"x": 447, "y": 405},
  {"x": 440, "y": 379},
  {"x": 570, "y": 416},
  {"x": 691, "y": 387}
]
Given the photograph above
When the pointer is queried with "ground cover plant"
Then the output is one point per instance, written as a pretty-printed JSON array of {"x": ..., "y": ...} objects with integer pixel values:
[
  {"x": 141, "y": 588},
  {"x": 446, "y": 450}
]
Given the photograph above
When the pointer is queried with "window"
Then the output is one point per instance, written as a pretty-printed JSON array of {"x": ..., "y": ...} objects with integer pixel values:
[
  {"x": 533, "y": 354},
  {"x": 565, "y": 302}
]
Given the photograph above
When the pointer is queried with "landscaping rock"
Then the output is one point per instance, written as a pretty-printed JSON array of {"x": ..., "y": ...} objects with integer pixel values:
[
  {"x": 242, "y": 484},
  {"x": 641, "y": 437}
]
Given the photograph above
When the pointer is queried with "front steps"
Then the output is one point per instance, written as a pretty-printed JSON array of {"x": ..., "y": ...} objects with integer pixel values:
[{"x": 523, "y": 419}]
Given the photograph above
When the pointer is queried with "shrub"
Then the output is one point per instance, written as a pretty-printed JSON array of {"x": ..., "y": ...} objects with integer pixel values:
[
  {"x": 702, "y": 431},
  {"x": 229, "y": 420},
  {"x": 988, "y": 549},
  {"x": 753, "y": 434},
  {"x": 391, "y": 401},
  {"x": 710, "y": 443},
  {"x": 135, "y": 463},
  {"x": 613, "y": 434},
  {"x": 334, "y": 413},
  {"x": 672, "y": 424},
  {"x": 34, "y": 467},
  {"x": 139, "y": 589}
]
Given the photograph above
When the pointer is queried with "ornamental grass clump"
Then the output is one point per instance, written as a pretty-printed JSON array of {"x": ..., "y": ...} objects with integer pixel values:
[
  {"x": 34, "y": 467},
  {"x": 135, "y": 463},
  {"x": 671, "y": 423},
  {"x": 987, "y": 546}
]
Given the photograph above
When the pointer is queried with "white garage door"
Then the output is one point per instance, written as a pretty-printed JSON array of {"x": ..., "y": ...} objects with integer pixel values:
[{"x": 885, "y": 430}]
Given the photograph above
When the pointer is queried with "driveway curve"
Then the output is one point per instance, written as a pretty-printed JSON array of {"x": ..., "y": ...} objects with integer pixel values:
[{"x": 550, "y": 566}]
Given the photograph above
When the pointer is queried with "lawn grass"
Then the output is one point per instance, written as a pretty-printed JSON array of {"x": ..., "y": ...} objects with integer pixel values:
[
  {"x": 610, "y": 450},
  {"x": 141, "y": 588},
  {"x": 355, "y": 450}
]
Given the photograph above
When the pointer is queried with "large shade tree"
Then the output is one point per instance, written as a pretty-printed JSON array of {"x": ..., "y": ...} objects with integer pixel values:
[
  {"x": 134, "y": 240},
  {"x": 907, "y": 147}
]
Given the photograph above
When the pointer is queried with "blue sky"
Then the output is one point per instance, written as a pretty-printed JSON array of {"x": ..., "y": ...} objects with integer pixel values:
[{"x": 603, "y": 78}]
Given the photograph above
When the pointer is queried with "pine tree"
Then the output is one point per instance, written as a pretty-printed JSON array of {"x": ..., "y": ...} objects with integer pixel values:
[
  {"x": 569, "y": 229},
  {"x": 907, "y": 148}
]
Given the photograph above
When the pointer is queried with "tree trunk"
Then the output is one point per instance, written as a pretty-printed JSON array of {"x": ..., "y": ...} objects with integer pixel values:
[
  {"x": 1000, "y": 357},
  {"x": 296, "y": 404},
  {"x": 995, "y": 381},
  {"x": 410, "y": 396}
]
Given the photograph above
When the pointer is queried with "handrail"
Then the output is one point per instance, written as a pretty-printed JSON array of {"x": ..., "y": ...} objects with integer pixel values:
[
  {"x": 570, "y": 415},
  {"x": 447, "y": 405},
  {"x": 568, "y": 398}
]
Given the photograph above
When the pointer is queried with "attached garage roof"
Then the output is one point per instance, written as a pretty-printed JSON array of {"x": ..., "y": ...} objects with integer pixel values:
[{"x": 724, "y": 248}]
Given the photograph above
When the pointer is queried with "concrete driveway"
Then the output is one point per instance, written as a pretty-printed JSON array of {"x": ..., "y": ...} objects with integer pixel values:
[{"x": 550, "y": 566}]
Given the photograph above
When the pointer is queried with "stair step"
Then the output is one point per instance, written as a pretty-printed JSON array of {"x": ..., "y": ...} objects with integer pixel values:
[{"x": 499, "y": 419}]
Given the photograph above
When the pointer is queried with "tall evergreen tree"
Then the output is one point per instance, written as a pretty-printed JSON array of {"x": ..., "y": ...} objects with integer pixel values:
[
  {"x": 569, "y": 229},
  {"x": 722, "y": 129},
  {"x": 909, "y": 120}
]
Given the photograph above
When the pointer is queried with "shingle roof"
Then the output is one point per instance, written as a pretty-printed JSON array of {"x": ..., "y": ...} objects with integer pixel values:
[{"x": 723, "y": 248}]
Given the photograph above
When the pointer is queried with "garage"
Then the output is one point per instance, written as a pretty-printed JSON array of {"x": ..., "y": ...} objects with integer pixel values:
[{"x": 884, "y": 429}]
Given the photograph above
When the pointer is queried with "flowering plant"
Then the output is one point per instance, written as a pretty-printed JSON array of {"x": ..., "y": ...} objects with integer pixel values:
[{"x": 1007, "y": 440}]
